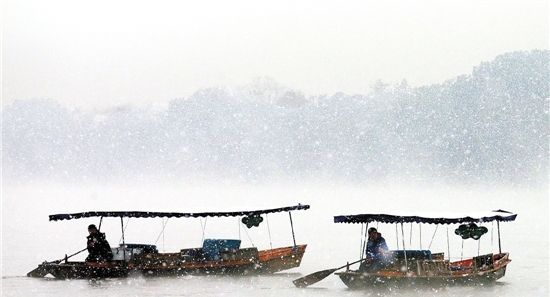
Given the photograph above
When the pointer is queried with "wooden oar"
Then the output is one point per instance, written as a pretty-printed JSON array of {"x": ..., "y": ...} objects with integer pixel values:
[
  {"x": 59, "y": 261},
  {"x": 310, "y": 279}
]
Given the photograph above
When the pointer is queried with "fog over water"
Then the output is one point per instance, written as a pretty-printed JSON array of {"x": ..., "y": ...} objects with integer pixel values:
[{"x": 474, "y": 143}]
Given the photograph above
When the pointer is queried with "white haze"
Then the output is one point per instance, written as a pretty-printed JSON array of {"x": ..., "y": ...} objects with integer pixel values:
[
  {"x": 474, "y": 143},
  {"x": 98, "y": 54},
  {"x": 349, "y": 106}
]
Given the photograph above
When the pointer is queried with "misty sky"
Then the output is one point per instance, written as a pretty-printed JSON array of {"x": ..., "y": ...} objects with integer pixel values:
[{"x": 98, "y": 54}]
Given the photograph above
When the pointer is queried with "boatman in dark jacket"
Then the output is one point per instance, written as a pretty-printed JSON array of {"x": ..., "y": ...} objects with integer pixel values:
[
  {"x": 377, "y": 254},
  {"x": 98, "y": 247}
]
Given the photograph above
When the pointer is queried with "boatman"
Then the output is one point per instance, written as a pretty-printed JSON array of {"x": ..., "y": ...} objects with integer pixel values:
[
  {"x": 377, "y": 254},
  {"x": 99, "y": 249}
]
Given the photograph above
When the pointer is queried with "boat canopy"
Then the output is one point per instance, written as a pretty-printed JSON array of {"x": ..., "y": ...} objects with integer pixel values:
[
  {"x": 429, "y": 218},
  {"x": 155, "y": 214}
]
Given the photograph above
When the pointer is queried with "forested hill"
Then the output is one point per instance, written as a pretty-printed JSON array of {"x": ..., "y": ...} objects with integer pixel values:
[{"x": 488, "y": 126}]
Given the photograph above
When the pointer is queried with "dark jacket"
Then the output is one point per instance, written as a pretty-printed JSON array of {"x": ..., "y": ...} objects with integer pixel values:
[
  {"x": 373, "y": 250},
  {"x": 98, "y": 248}
]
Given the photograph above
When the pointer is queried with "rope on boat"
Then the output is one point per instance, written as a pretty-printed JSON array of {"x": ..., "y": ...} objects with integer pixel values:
[
  {"x": 162, "y": 232},
  {"x": 124, "y": 230},
  {"x": 203, "y": 227},
  {"x": 268, "y": 231},
  {"x": 246, "y": 231},
  {"x": 433, "y": 237}
]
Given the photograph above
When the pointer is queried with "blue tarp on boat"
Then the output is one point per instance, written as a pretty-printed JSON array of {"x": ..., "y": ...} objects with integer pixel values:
[{"x": 211, "y": 248}]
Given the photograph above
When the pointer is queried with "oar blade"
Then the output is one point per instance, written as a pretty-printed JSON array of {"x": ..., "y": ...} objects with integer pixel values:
[{"x": 310, "y": 279}]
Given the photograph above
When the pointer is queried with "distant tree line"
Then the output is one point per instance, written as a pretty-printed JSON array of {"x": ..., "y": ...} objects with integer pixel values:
[{"x": 489, "y": 126}]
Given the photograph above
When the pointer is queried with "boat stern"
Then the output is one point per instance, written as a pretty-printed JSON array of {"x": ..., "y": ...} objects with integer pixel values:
[{"x": 279, "y": 259}]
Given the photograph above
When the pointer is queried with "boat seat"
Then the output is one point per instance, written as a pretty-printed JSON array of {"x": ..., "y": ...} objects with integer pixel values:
[{"x": 212, "y": 248}]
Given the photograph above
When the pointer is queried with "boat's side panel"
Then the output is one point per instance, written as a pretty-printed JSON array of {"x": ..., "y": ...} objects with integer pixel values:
[
  {"x": 274, "y": 260},
  {"x": 266, "y": 261},
  {"x": 363, "y": 281},
  {"x": 75, "y": 270},
  {"x": 359, "y": 280},
  {"x": 233, "y": 267}
]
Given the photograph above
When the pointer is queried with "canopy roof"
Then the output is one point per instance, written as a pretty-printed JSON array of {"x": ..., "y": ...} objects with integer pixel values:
[
  {"x": 155, "y": 214},
  {"x": 429, "y": 218}
]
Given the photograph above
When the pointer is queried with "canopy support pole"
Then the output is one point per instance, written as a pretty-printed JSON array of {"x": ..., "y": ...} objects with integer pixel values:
[
  {"x": 239, "y": 226},
  {"x": 499, "y": 246},
  {"x": 492, "y": 236},
  {"x": 361, "y": 241},
  {"x": 448, "y": 244},
  {"x": 411, "y": 235},
  {"x": 292, "y": 228},
  {"x": 462, "y": 250},
  {"x": 396, "y": 236},
  {"x": 404, "y": 250},
  {"x": 100, "y": 221},
  {"x": 123, "y": 242},
  {"x": 363, "y": 251},
  {"x": 420, "y": 227}
]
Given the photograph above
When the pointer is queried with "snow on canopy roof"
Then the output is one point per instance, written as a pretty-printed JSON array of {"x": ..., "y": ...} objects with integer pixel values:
[
  {"x": 160, "y": 214},
  {"x": 429, "y": 218}
]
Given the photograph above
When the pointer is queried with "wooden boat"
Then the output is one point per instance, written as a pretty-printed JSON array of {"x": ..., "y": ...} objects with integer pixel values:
[
  {"x": 216, "y": 256},
  {"x": 422, "y": 267}
]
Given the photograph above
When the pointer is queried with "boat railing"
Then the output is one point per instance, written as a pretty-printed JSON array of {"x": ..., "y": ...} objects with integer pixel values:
[
  {"x": 483, "y": 262},
  {"x": 250, "y": 253},
  {"x": 419, "y": 262}
]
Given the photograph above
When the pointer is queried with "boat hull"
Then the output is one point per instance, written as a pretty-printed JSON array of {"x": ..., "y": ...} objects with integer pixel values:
[
  {"x": 265, "y": 262},
  {"x": 391, "y": 279}
]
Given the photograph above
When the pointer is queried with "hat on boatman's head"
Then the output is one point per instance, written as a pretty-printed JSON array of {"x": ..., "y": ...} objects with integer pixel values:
[{"x": 92, "y": 227}]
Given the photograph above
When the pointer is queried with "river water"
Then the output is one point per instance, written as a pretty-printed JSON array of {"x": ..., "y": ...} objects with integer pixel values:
[{"x": 28, "y": 238}]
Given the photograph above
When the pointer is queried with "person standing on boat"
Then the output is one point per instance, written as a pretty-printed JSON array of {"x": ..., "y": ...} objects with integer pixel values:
[
  {"x": 99, "y": 249},
  {"x": 377, "y": 254}
]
